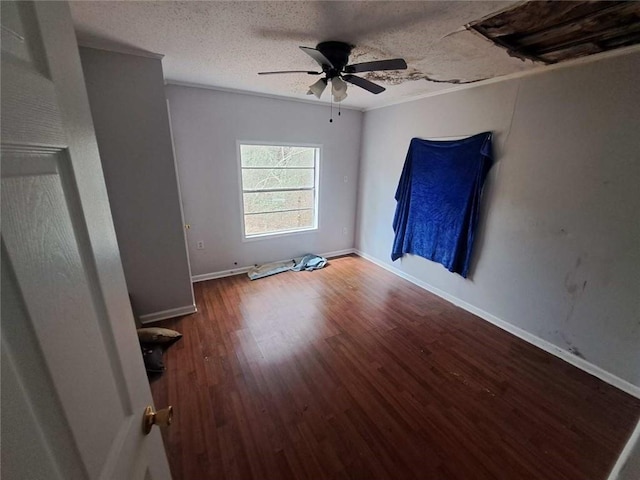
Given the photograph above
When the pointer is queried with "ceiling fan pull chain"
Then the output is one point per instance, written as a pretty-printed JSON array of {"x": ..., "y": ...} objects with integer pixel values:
[{"x": 331, "y": 115}]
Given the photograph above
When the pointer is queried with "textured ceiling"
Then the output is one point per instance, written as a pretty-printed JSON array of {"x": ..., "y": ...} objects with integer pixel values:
[{"x": 225, "y": 44}]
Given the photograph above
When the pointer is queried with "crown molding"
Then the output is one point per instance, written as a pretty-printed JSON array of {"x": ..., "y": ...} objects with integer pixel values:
[
  {"x": 259, "y": 94},
  {"x": 95, "y": 45}
]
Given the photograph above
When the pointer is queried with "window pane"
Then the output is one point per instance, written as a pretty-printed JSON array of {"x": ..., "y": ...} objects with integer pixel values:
[
  {"x": 279, "y": 188},
  {"x": 261, "y": 179},
  {"x": 277, "y": 222},
  {"x": 274, "y": 201},
  {"x": 276, "y": 156}
]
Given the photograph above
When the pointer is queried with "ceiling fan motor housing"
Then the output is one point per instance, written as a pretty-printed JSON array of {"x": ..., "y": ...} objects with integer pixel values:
[{"x": 337, "y": 53}]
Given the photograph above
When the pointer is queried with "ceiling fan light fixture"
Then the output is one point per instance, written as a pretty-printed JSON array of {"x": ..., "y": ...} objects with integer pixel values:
[
  {"x": 338, "y": 89},
  {"x": 339, "y": 97},
  {"x": 317, "y": 88},
  {"x": 333, "y": 58}
]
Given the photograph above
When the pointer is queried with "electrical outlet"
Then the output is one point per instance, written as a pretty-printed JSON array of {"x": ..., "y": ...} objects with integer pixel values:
[
  {"x": 200, "y": 245},
  {"x": 344, "y": 230}
]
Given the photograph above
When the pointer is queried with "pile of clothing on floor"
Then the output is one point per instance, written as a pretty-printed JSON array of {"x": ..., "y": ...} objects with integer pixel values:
[{"x": 154, "y": 341}]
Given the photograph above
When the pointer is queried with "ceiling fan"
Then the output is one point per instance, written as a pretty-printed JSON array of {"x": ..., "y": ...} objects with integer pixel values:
[{"x": 333, "y": 58}]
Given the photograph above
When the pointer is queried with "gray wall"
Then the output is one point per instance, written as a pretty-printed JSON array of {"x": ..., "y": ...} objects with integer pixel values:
[
  {"x": 558, "y": 252},
  {"x": 126, "y": 94},
  {"x": 207, "y": 125}
]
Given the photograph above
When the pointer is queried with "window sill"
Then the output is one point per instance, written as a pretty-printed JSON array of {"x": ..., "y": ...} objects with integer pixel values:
[{"x": 286, "y": 233}]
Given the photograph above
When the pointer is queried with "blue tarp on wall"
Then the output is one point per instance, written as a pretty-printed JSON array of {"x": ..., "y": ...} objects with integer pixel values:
[{"x": 439, "y": 199}]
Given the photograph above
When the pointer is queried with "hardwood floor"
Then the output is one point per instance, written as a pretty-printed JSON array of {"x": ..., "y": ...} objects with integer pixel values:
[{"x": 353, "y": 373}]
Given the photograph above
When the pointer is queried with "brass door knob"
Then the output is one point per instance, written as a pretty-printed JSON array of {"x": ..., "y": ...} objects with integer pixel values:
[{"x": 162, "y": 418}]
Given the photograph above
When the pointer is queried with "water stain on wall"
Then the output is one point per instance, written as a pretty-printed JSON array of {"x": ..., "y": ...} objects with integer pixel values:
[
  {"x": 571, "y": 347},
  {"x": 574, "y": 285}
]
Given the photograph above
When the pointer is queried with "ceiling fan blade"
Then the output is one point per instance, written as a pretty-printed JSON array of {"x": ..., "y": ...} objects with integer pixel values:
[
  {"x": 289, "y": 71},
  {"x": 364, "y": 83},
  {"x": 318, "y": 56},
  {"x": 391, "y": 64}
]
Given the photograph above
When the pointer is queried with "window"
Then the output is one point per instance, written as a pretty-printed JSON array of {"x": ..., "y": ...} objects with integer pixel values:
[{"x": 279, "y": 188}]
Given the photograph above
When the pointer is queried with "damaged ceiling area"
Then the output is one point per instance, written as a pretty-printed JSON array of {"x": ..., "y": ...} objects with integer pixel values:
[
  {"x": 552, "y": 32},
  {"x": 445, "y": 43}
]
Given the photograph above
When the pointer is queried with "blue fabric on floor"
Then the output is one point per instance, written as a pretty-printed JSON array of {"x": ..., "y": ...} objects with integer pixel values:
[{"x": 439, "y": 199}]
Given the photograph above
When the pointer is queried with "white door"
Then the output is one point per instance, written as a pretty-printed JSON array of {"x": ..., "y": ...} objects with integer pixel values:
[{"x": 73, "y": 383}]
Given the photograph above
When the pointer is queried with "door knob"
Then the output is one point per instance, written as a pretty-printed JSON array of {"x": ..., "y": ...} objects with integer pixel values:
[{"x": 162, "y": 418}]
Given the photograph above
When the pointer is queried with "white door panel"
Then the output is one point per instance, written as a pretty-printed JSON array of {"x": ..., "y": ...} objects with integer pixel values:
[{"x": 74, "y": 387}]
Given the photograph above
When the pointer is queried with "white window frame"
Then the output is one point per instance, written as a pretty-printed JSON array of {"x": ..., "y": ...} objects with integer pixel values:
[{"x": 316, "y": 190}]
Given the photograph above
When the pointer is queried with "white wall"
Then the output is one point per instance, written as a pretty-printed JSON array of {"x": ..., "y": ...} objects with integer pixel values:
[
  {"x": 206, "y": 126},
  {"x": 126, "y": 94},
  {"x": 558, "y": 251}
]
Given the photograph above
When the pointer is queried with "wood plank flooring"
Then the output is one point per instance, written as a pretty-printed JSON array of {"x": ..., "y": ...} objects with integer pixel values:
[{"x": 353, "y": 373}]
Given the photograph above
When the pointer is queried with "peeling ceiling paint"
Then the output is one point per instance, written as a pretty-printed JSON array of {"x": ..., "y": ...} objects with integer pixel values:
[{"x": 225, "y": 44}]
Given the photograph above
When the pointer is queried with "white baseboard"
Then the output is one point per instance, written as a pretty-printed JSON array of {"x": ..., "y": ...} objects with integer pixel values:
[
  {"x": 223, "y": 273},
  {"x": 518, "y": 332},
  {"x": 625, "y": 456},
  {"x": 240, "y": 270},
  {"x": 338, "y": 253},
  {"x": 165, "y": 314}
]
